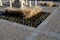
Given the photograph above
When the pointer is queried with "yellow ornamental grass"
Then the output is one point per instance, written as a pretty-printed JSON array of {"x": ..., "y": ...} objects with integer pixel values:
[
  {"x": 10, "y": 9},
  {"x": 50, "y": 4},
  {"x": 33, "y": 11},
  {"x": 27, "y": 12},
  {"x": 41, "y": 2}
]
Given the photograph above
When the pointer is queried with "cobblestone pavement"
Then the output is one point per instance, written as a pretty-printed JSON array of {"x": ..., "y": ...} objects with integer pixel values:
[
  {"x": 54, "y": 23},
  {"x": 13, "y": 31}
]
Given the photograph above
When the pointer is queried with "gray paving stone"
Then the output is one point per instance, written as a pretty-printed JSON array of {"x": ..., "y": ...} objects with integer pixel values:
[
  {"x": 54, "y": 23},
  {"x": 13, "y": 31},
  {"x": 44, "y": 37}
]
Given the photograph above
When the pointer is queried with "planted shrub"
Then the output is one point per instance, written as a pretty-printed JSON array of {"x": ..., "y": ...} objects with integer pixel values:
[
  {"x": 33, "y": 11},
  {"x": 49, "y": 4},
  {"x": 23, "y": 12}
]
